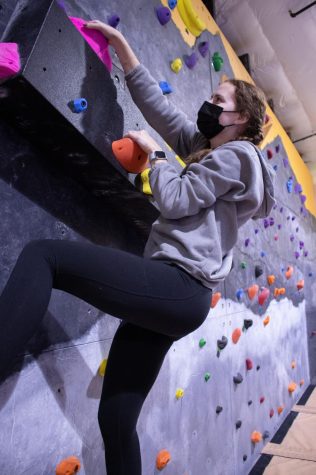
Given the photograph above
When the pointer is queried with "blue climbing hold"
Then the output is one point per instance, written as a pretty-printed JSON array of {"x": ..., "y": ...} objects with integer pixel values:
[
  {"x": 78, "y": 105},
  {"x": 165, "y": 87},
  {"x": 239, "y": 294},
  {"x": 172, "y": 4},
  {"x": 289, "y": 184}
]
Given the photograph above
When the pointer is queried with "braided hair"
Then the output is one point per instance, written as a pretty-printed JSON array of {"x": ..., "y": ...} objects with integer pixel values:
[{"x": 250, "y": 101}]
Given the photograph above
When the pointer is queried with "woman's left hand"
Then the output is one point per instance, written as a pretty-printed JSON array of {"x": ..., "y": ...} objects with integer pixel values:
[{"x": 144, "y": 140}]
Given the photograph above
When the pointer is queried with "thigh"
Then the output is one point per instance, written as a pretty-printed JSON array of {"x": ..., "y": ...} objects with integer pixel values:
[
  {"x": 135, "y": 359},
  {"x": 147, "y": 293}
]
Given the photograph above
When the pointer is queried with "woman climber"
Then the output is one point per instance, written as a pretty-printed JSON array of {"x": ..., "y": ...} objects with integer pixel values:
[{"x": 166, "y": 294}]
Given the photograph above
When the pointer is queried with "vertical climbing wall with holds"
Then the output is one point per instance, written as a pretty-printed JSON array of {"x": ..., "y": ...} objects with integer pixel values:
[{"x": 223, "y": 390}]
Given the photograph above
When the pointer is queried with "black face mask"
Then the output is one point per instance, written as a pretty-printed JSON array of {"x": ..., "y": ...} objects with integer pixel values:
[{"x": 207, "y": 121}]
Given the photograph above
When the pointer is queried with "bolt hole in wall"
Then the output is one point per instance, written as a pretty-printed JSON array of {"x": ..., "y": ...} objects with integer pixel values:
[{"x": 44, "y": 69}]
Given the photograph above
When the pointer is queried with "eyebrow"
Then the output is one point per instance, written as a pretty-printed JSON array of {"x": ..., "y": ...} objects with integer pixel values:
[{"x": 219, "y": 96}]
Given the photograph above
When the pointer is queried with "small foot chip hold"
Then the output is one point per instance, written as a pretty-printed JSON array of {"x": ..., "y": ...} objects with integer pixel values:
[{"x": 68, "y": 466}]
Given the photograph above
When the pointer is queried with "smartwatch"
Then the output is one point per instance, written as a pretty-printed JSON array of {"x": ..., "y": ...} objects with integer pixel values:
[{"x": 158, "y": 155}]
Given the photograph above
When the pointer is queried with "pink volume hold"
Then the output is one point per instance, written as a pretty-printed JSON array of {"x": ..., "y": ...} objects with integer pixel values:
[
  {"x": 96, "y": 40},
  {"x": 10, "y": 63}
]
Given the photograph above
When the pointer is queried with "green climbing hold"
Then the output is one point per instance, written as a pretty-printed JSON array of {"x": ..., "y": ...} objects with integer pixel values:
[
  {"x": 217, "y": 61},
  {"x": 243, "y": 265},
  {"x": 202, "y": 342},
  {"x": 207, "y": 376}
]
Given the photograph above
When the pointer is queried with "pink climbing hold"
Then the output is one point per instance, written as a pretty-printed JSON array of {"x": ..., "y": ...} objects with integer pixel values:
[
  {"x": 95, "y": 39},
  {"x": 9, "y": 60},
  {"x": 264, "y": 294}
]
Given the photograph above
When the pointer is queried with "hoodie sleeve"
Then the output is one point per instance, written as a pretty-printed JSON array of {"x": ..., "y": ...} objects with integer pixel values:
[
  {"x": 229, "y": 173},
  {"x": 172, "y": 124}
]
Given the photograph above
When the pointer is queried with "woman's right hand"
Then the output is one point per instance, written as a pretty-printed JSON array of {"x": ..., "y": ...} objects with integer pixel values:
[{"x": 108, "y": 31}]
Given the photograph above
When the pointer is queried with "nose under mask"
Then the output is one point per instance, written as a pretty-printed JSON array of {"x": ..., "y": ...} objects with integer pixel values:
[{"x": 208, "y": 120}]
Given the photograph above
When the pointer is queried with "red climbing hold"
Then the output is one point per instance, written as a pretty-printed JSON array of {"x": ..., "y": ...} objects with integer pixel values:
[
  {"x": 249, "y": 364},
  {"x": 271, "y": 413},
  {"x": 262, "y": 399},
  {"x": 269, "y": 153},
  {"x": 264, "y": 294}
]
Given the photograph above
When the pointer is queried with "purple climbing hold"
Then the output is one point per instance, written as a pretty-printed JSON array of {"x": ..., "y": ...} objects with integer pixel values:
[
  {"x": 113, "y": 20},
  {"x": 203, "y": 48},
  {"x": 296, "y": 229},
  {"x": 247, "y": 241},
  {"x": 190, "y": 60},
  {"x": 291, "y": 238},
  {"x": 256, "y": 231},
  {"x": 298, "y": 188},
  {"x": 271, "y": 221},
  {"x": 285, "y": 162},
  {"x": 266, "y": 223},
  {"x": 296, "y": 254},
  {"x": 301, "y": 244},
  {"x": 262, "y": 253},
  {"x": 279, "y": 226},
  {"x": 303, "y": 199},
  {"x": 293, "y": 217},
  {"x": 275, "y": 167},
  {"x": 277, "y": 148},
  {"x": 163, "y": 15},
  {"x": 281, "y": 209},
  {"x": 305, "y": 253}
]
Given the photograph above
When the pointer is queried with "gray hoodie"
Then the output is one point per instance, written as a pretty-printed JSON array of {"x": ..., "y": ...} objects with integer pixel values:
[{"x": 203, "y": 207}]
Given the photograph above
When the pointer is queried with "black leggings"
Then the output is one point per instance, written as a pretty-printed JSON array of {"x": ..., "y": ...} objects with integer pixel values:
[{"x": 158, "y": 303}]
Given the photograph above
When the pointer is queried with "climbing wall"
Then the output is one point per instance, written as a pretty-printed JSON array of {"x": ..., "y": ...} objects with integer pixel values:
[{"x": 223, "y": 390}]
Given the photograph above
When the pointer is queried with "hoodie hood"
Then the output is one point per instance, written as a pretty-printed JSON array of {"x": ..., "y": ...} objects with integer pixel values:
[{"x": 268, "y": 174}]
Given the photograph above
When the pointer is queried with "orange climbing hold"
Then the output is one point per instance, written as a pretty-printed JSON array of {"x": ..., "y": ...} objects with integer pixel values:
[
  {"x": 300, "y": 284},
  {"x": 130, "y": 155},
  {"x": 68, "y": 466},
  {"x": 236, "y": 335},
  {"x": 292, "y": 387},
  {"x": 266, "y": 320},
  {"x": 289, "y": 272},
  {"x": 252, "y": 291},
  {"x": 215, "y": 298},
  {"x": 280, "y": 409},
  {"x": 293, "y": 364},
  {"x": 271, "y": 279},
  {"x": 162, "y": 459},
  {"x": 280, "y": 291},
  {"x": 256, "y": 437},
  {"x": 302, "y": 382}
]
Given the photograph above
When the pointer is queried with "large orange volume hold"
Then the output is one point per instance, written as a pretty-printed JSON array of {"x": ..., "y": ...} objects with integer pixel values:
[{"x": 130, "y": 155}]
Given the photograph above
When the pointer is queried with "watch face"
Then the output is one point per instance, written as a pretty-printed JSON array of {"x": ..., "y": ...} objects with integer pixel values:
[{"x": 160, "y": 154}]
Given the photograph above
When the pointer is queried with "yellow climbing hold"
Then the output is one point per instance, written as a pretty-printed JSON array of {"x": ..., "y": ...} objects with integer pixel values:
[
  {"x": 176, "y": 65},
  {"x": 102, "y": 367},
  {"x": 190, "y": 18},
  {"x": 145, "y": 181},
  {"x": 179, "y": 393}
]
